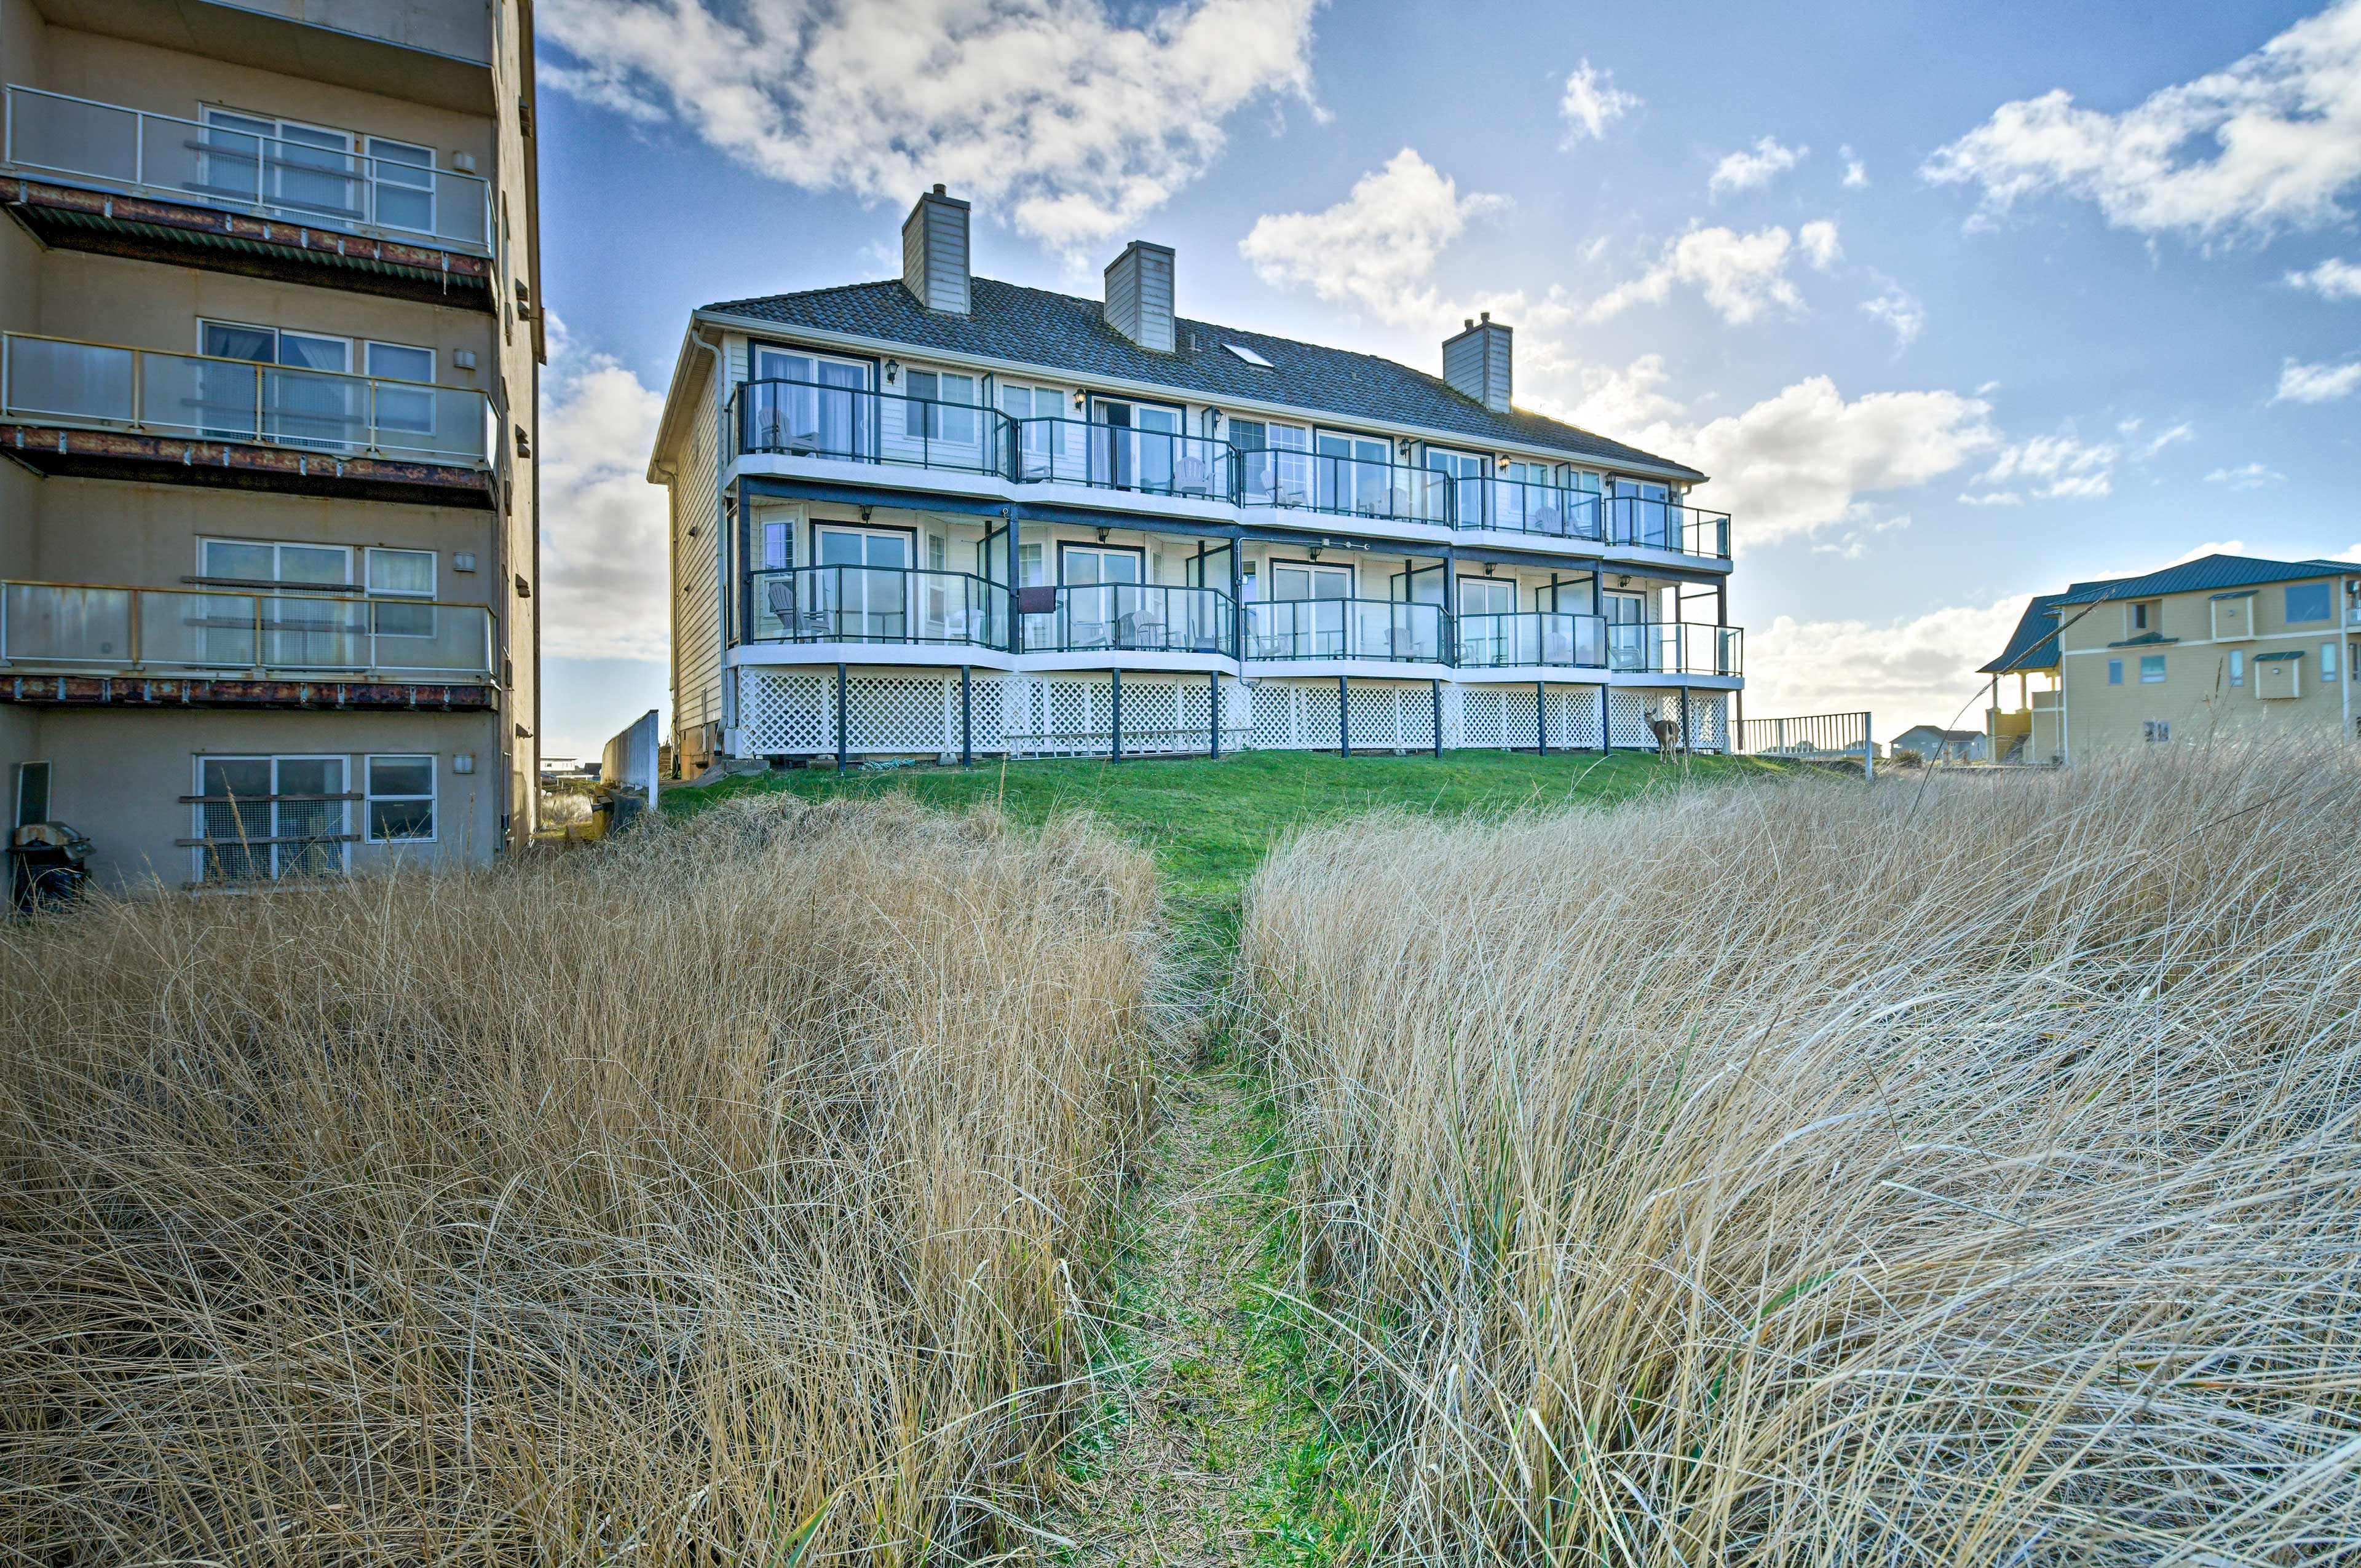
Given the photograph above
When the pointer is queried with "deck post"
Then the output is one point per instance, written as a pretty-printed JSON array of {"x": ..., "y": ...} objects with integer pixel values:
[
  {"x": 1344, "y": 721},
  {"x": 1606, "y": 740},
  {"x": 967, "y": 716},
  {"x": 1214, "y": 714},
  {"x": 841, "y": 748},
  {"x": 1541, "y": 720},
  {"x": 1116, "y": 706},
  {"x": 1437, "y": 684},
  {"x": 1684, "y": 695}
]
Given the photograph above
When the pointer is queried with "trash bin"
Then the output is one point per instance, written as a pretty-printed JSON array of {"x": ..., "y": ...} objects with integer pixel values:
[{"x": 49, "y": 864}]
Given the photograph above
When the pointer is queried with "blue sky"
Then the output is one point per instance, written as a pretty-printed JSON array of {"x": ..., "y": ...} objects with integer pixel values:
[{"x": 1956, "y": 303}]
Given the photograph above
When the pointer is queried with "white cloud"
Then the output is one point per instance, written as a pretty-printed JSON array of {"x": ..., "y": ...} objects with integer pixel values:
[
  {"x": 1745, "y": 170},
  {"x": 2301, "y": 383},
  {"x": 2056, "y": 467},
  {"x": 603, "y": 539},
  {"x": 1072, "y": 122},
  {"x": 2159, "y": 442},
  {"x": 2246, "y": 476},
  {"x": 1377, "y": 249},
  {"x": 1591, "y": 105},
  {"x": 1994, "y": 499},
  {"x": 1899, "y": 310},
  {"x": 1855, "y": 176},
  {"x": 2284, "y": 126},
  {"x": 1818, "y": 239},
  {"x": 2334, "y": 278},
  {"x": 1740, "y": 275},
  {"x": 1915, "y": 670}
]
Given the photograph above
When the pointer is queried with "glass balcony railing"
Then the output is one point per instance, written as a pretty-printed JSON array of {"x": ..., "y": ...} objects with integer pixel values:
[
  {"x": 1675, "y": 648},
  {"x": 1346, "y": 628},
  {"x": 1667, "y": 525},
  {"x": 326, "y": 179},
  {"x": 806, "y": 418},
  {"x": 58, "y": 380},
  {"x": 1535, "y": 637},
  {"x": 72, "y": 628},
  {"x": 1130, "y": 617},
  {"x": 1118, "y": 457},
  {"x": 878, "y": 604}
]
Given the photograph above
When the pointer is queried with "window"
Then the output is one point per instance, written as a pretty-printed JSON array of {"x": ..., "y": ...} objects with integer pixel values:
[
  {"x": 307, "y": 171},
  {"x": 2155, "y": 730},
  {"x": 400, "y": 574},
  {"x": 32, "y": 793},
  {"x": 398, "y": 415},
  {"x": 806, "y": 404},
  {"x": 2146, "y": 616},
  {"x": 2307, "y": 601},
  {"x": 1029, "y": 565},
  {"x": 940, "y": 407},
  {"x": 1036, "y": 411},
  {"x": 2151, "y": 669},
  {"x": 2237, "y": 667},
  {"x": 2114, "y": 672},
  {"x": 2328, "y": 661},
  {"x": 400, "y": 800},
  {"x": 310, "y": 401},
  {"x": 402, "y": 185},
  {"x": 1249, "y": 356},
  {"x": 309, "y": 632},
  {"x": 263, "y": 817}
]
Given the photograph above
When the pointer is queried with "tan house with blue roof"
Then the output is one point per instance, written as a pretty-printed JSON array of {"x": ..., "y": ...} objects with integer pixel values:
[
  {"x": 941, "y": 515},
  {"x": 2221, "y": 645}
]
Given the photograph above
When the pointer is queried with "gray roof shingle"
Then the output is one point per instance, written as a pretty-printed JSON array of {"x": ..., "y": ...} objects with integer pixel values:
[{"x": 1065, "y": 332}]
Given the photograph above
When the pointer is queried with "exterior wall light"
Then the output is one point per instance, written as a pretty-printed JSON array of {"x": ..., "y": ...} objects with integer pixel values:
[
  {"x": 892, "y": 370},
  {"x": 1078, "y": 400}
]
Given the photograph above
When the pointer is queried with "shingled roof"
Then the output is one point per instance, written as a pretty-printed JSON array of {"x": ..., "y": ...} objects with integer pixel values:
[{"x": 1065, "y": 332}]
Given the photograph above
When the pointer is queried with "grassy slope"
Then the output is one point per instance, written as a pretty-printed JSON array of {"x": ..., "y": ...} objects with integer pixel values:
[
  {"x": 1210, "y": 823},
  {"x": 1246, "y": 1454}
]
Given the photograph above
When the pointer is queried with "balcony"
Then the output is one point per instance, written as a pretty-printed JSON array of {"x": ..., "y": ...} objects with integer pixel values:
[
  {"x": 879, "y": 604},
  {"x": 851, "y": 424},
  {"x": 231, "y": 197},
  {"x": 1536, "y": 639},
  {"x": 1132, "y": 617},
  {"x": 1385, "y": 630},
  {"x": 101, "y": 411},
  {"x": 81, "y": 644}
]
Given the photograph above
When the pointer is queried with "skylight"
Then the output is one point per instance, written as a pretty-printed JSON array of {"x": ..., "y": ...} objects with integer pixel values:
[{"x": 1250, "y": 356}]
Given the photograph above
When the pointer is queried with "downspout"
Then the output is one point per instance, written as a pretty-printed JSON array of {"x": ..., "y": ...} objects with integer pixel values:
[{"x": 722, "y": 586}]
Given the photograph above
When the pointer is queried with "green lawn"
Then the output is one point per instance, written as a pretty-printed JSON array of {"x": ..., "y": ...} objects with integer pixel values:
[{"x": 1210, "y": 823}]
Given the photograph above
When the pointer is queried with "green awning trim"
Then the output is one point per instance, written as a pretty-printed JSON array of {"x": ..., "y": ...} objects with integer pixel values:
[
  {"x": 2267, "y": 658},
  {"x": 2144, "y": 640},
  {"x": 2241, "y": 593}
]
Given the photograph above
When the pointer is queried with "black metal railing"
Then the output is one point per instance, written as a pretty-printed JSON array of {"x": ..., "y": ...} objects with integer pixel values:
[
  {"x": 878, "y": 604},
  {"x": 1347, "y": 629},
  {"x": 1542, "y": 637},
  {"x": 1653, "y": 524},
  {"x": 1131, "y": 617},
  {"x": 806, "y": 418},
  {"x": 1118, "y": 457}
]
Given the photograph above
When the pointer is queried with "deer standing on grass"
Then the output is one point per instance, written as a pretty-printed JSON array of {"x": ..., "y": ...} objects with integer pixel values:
[{"x": 1667, "y": 733}]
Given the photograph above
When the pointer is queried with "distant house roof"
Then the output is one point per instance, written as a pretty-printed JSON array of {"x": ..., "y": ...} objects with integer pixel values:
[
  {"x": 1949, "y": 737},
  {"x": 2205, "y": 572},
  {"x": 1063, "y": 331},
  {"x": 2033, "y": 645}
]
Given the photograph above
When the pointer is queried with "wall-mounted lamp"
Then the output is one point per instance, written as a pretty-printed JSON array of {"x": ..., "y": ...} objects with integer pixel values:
[
  {"x": 892, "y": 370},
  {"x": 1103, "y": 536},
  {"x": 1623, "y": 582},
  {"x": 1487, "y": 569},
  {"x": 1406, "y": 445},
  {"x": 1078, "y": 400},
  {"x": 1314, "y": 553},
  {"x": 864, "y": 514}
]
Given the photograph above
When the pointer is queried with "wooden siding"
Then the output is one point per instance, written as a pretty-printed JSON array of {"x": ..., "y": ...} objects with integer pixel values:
[{"x": 697, "y": 589}]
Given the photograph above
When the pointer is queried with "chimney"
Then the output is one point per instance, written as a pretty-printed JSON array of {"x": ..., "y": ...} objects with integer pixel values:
[
  {"x": 934, "y": 252},
  {"x": 1139, "y": 295},
  {"x": 1477, "y": 363}
]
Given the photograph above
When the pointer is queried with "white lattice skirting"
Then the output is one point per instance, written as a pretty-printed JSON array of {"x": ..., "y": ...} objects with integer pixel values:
[
  {"x": 902, "y": 712},
  {"x": 905, "y": 712}
]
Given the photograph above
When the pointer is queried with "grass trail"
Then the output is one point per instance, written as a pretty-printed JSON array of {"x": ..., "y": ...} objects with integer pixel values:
[{"x": 1221, "y": 1433}]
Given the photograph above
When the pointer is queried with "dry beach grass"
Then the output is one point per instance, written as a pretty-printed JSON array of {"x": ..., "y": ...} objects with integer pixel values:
[
  {"x": 1813, "y": 1174},
  {"x": 707, "y": 1199}
]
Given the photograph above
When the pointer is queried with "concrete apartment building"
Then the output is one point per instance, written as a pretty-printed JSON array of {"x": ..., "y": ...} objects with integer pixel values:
[
  {"x": 267, "y": 513},
  {"x": 2221, "y": 645},
  {"x": 942, "y": 516}
]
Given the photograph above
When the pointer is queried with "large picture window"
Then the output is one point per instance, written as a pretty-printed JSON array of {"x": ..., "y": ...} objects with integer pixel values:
[
  {"x": 2307, "y": 601},
  {"x": 401, "y": 799},
  {"x": 259, "y": 818}
]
